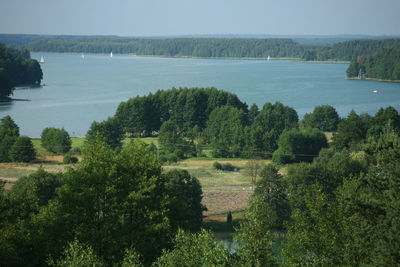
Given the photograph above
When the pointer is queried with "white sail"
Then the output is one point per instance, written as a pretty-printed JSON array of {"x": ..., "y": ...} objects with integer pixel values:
[
  {"x": 111, "y": 54},
  {"x": 41, "y": 60},
  {"x": 268, "y": 58},
  {"x": 82, "y": 55}
]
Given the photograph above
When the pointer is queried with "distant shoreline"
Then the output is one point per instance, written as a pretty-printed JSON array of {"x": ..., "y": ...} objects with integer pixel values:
[
  {"x": 291, "y": 59},
  {"x": 373, "y": 79}
]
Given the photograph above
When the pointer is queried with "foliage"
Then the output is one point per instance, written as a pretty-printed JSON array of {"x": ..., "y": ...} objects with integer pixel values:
[
  {"x": 384, "y": 64},
  {"x": 172, "y": 141},
  {"x": 9, "y": 133},
  {"x": 6, "y": 85},
  {"x": 299, "y": 145},
  {"x": 217, "y": 165},
  {"x": 69, "y": 159},
  {"x": 56, "y": 140},
  {"x": 351, "y": 130},
  {"x": 22, "y": 150},
  {"x": 271, "y": 195},
  {"x": 323, "y": 117},
  {"x": 253, "y": 166},
  {"x": 18, "y": 68},
  {"x": 225, "y": 131},
  {"x": 132, "y": 259},
  {"x": 349, "y": 50},
  {"x": 224, "y": 166},
  {"x": 110, "y": 130},
  {"x": 383, "y": 117},
  {"x": 188, "y": 108},
  {"x": 18, "y": 240},
  {"x": 200, "y": 249},
  {"x": 184, "y": 207},
  {"x": 314, "y": 235},
  {"x": 116, "y": 200},
  {"x": 77, "y": 254},
  {"x": 253, "y": 237},
  {"x": 194, "y": 47},
  {"x": 271, "y": 121}
]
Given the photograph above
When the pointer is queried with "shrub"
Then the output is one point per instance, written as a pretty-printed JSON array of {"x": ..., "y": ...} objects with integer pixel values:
[
  {"x": 170, "y": 157},
  {"x": 224, "y": 167},
  {"x": 68, "y": 159},
  {"x": 22, "y": 150},
  {"x": 228, "y": 167},
  {"x": 217, "y": 165},
  {"x": 56, "y": 140}
]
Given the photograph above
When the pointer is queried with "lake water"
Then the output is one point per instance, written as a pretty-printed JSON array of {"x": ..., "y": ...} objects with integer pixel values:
[{"x": 78, "y": 91}]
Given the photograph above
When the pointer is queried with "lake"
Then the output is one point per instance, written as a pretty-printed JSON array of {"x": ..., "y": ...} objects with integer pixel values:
[{"x": 78, "y": 91}]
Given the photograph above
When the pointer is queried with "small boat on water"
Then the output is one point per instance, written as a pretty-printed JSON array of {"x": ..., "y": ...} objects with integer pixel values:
[
  {"x": 41, "y": 60},
  {"x": 268, "y": 58},
  {"x": 375, "y": 91},
  {"x": 82, "y": 56},
  {"x": 111, "y": 54}
]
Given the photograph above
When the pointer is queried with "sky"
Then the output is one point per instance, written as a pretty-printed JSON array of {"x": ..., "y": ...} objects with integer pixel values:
[{"x": 200, "y": 17}]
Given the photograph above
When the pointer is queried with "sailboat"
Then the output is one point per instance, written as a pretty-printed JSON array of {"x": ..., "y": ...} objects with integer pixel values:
[
  {"x": 111, "y": 54},
  {"x": 82, "y": 56},
  {"x": 41, "y": 60},
  {"x": 268, "y": 58}
]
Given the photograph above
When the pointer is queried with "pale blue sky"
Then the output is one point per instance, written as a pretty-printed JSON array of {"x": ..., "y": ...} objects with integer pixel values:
[{"x": 186, "y": 17}]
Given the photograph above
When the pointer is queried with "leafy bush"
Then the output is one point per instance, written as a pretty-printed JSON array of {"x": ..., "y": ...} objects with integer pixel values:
[
  {"x": 22, "y": 150},
  {"x": 68, "y": 159},
  {"x": 56, "y": 140},
  {"x": 170, "y": 157},
  {"x": 224, "y": 167},
  {"x": 217, "y": 165},
  {"x": 228, "y": 167}
]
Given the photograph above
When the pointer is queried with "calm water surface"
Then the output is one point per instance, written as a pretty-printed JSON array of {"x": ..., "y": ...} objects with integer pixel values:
[{"x": 78, "y": 91}]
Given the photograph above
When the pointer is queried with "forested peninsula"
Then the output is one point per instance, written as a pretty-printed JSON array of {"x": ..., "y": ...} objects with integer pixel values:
[
  {"x": 17, "y": 68},
  {"x": 383, "y": 65}
]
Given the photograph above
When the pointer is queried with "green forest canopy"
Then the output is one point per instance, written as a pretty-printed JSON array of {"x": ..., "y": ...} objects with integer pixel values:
[
  {"x": 188, "y": 119},
  {"x": 17, "y": 68}
]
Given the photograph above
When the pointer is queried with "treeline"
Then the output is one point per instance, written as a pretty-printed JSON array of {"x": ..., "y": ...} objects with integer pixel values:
[
  {"x": 383, "y": 65},
  {"x": 349, "y": 50},
  {"x": 189, "y": 121},
  {"x": 17, "y": 68},
  {"x": 216, "y": 47},
  {"x": 176, "y": 47}
]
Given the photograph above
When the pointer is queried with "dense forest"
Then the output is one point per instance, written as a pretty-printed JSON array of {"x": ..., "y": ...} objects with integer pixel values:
[
  {"x": 338, "y": 204},
  {"x": 349, "y": 50},
  {"x": 176, "y": 47},
  {"x": 383, "y": 65},
  {"x": 217, "y": 47},
  {"x": 17, "y": 68},
  {"x": 187, "y": 120}
]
